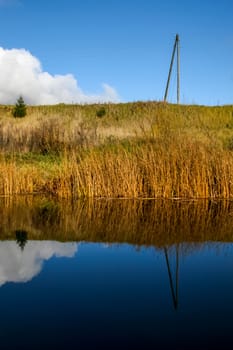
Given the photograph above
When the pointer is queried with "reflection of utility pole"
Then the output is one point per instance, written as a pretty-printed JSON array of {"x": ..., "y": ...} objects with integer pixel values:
[
  {"x": 174, "y": 291},
  {"x": 176, "y": 49}
]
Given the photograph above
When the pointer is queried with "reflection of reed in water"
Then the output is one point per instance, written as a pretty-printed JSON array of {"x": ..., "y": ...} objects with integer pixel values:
[
  {"x": 167, "y": 225},
  {"x": 138, "y": 222}
]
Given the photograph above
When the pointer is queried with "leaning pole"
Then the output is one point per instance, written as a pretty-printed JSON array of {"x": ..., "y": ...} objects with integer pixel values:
[{"x": 176, "y": 50}]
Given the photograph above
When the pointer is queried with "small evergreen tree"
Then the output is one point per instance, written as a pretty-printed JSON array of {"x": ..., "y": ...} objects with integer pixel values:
[{"x": 20, "y": 109}]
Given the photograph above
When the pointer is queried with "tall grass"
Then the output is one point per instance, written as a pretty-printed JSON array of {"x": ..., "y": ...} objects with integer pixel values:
[
  {"x": 149, "y": 169},
  {"x": 137, "y": 150}
]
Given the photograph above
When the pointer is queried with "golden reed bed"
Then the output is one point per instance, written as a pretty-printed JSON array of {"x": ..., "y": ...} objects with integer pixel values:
[{"x": 138, "y": 150}]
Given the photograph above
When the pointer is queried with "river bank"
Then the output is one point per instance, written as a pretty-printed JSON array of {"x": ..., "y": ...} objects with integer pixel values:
[{"x": 132, "y": 150}]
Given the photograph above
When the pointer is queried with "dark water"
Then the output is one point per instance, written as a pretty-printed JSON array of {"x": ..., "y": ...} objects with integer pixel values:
[{"x": 116, "y": 275}]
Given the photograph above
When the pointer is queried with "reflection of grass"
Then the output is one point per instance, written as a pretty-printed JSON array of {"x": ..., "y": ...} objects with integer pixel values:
[
  {"x": 46, "y": 213},
  {"x": 136, "y": 150},
  {"x": 150, "y": 222}
]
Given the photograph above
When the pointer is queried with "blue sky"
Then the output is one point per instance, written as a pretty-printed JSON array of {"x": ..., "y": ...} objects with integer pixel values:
[{"x": 127, "y": 44}]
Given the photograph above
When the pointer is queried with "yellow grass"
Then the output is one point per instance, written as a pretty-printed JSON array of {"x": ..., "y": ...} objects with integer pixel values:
[{"x": 138, "y": 150}]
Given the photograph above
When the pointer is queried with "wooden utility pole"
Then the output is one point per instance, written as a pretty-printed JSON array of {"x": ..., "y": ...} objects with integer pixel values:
[
  {"x": 178, "y": 67},
  {"x": 176, "y": 49}
]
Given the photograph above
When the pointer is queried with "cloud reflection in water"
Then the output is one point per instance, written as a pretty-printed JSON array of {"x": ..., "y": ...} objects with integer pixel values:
[{"x": 21, "y": 266}]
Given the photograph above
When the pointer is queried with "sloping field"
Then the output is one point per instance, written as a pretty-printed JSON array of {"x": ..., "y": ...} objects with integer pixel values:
[{"x": 131, "y": 150}]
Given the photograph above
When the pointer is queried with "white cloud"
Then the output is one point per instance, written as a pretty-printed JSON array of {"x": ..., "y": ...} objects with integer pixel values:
[
  {"x": 21, "y": 73},
  {"x": 21, "y": 266}
]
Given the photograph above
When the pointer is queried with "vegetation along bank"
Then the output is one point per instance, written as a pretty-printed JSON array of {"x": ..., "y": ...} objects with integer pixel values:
[{"x": 128, "y": 150}]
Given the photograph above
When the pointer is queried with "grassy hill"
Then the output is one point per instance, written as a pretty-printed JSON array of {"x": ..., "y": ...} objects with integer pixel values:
[{"x": 129, "y": 150}]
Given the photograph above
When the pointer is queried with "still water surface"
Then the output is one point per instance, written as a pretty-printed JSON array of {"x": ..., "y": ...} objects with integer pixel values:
[{"x": 115, "y": 287}]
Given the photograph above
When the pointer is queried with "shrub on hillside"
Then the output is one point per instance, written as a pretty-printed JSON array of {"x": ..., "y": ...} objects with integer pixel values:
[
  {"x": 20, "y": 109},
  {"x": 101, "y": 112}
]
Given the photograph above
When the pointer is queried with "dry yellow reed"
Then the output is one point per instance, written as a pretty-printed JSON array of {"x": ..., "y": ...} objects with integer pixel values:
[{"x": 175, "y": 151}]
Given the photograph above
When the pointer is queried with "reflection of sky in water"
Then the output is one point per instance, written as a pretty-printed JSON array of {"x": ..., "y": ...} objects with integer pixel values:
[
  {"x": 116, "y": 296},
  {"x": 18, "y": 265}
]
